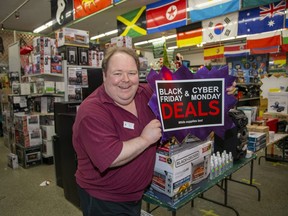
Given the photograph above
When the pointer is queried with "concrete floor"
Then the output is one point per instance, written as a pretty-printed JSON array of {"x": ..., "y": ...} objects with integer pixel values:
[{"x": 22, "y": 195}]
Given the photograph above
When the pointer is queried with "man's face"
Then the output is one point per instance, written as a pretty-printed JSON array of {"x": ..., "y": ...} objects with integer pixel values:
[{"x": 121, "y": 79}]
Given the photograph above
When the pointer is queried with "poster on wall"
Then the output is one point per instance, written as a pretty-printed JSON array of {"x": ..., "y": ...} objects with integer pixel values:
[
  {"x": 185, "y": 104},
  {"x": 62, "y": 12}
]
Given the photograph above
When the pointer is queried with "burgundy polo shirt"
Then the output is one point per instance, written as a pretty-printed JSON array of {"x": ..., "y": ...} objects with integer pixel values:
[{"x": 98, "y": 134}]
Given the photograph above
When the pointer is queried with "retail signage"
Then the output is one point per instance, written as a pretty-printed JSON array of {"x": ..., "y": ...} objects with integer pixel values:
[
  {"x": 193, "y": 103},
  {"x": 206, "y": 9},
  {"x": 84, "y": 8},
  {"x": 62, "y": 12}
]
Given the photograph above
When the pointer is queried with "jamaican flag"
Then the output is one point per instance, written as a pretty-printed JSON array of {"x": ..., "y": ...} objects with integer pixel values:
[{"x": 133, "y": 23}]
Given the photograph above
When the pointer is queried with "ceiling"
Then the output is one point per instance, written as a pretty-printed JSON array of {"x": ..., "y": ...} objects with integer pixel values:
[{"x": 34, "y": 13}]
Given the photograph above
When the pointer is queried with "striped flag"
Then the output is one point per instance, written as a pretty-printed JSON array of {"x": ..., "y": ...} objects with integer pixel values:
[
  {"x": 133, "y": 23},
  {"x": 220, "y": 28},
  {"x": 236, "y": 50},
  {"x": 267, "y": 39},
  {"x": 205, "y": 9},
  {"x": 189, "y": 35},
  {"x": 165, "y": 15},
  {"x": 284, "y": 46},
  {"x": 255, "y": 3},
  {"x": 265, "y": 50},
  {"x": 214, "y": 52},
  {"x": 278, "y": 58}
]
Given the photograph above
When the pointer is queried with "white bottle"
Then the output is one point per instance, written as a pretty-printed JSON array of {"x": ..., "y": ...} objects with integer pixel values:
[{"x": 212, "y": 170}]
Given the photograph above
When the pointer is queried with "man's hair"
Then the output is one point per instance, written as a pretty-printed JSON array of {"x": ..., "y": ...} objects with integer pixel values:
[{"x": 113, "y": 50}]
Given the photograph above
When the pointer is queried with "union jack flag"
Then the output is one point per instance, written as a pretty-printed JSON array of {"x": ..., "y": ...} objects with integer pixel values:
[
  {"x": 265, "y": 18},
  {"x": 272, "y": 10}
]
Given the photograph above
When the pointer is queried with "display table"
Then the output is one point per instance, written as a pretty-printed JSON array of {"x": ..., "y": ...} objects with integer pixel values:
[
  {"x": 198, "y": 191},
  {"x": 278, "y": 138}
]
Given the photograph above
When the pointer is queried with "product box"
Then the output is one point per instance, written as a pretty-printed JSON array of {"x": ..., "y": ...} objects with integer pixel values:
[
  {"x": 42, "y": 45},
  {"x": 30, "y": 156},
  {"x": 278, "y": 102},
  {"x": 56, "y": 64},
  {"x": 49, "y": 87},
  {"x": 74, "y": 93},
  {"x": 250, "y": 112},
  {"x": 175, "y": 175},
  {"x": 47, "y": 103},
  {"x": 25, "y": 122},
  {"x": 256, "y": 141},
  {"x": 59, "y": 87},
  {"x": 122, "y": 41},
  {"x": 83, "y": 56},
  {"x": 29, "y": 138},
  {"x": 41, "y": 64},
  {"x": 72, "y": 37},
  {"x": 279, "y": 116},
  {"x": 47, "y": 150},
  {"x": 48, "y": 131},
  {"x": 70, "y": 54},
  {"x": 13, "y": 161}
]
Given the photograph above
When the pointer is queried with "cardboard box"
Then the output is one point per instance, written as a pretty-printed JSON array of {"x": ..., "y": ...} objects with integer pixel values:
[
  {"x": 70, "y": 54},
  {"x": 42, "y": 45},
  {"x": 83, "y": 56},
  {"x": 47, "y": 104},
  {"x": 28, "y": 139},
  {"x": 122, "y": 41},
  {"x": 56, "y": 64},
  {"x": 279, "y": 116},
  {"x": 72, "y": 37},
  {"x": 13, "y": 161},
  {"x": 74, "y": 93},
  {"x": 30, "y": 156},
  {"x": 42, "y": 64},
  {"x": 48, "y": 131},
  {"x": 47, "y": 150},
  {"x": 176, "y": 174},
  {"x": 278, "y": 102},
  {"x": 25, "y": 122}
]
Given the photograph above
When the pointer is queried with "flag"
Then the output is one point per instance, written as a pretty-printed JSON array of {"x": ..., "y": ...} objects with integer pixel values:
[
  {"x": 255, "y": 3},
  {"x": 265, "y": 50},
  {"x": 236, "y": 50},
  {"x": 286, "y": 18},
  {"x": 220, "y": 28},
  {"x": 85, "y": 8},
  {"x": 214, "y": 52},
  {"x": 205, "y": 9},
  {"x": 133, "y": 23},
  {"x": 189, "y": 35},
  {"x": 278, "y": 58},
  {"x": 267, "y": 39},
  {"x": 262, "y": 19},
  {"x": 284, "y": 46},
  {"x": 165, "y": 15}
]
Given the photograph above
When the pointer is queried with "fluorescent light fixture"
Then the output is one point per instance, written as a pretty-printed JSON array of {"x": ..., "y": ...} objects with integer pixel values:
[
  {"x": 230, "y": 38},
  {"x": 155, "y": 39},
  {"x": 97, "y": 36},
  {"x": 171, "y": 36},
  {"x": 241, "y": 36},
  {"x": 111, "y": 32},
  {"x": 140, "y": 43},
  {"x": 43, "y": 27}
]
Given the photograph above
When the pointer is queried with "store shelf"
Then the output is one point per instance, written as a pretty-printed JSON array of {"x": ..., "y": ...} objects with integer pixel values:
[
  {"x": 248, "y": 99},
  {"x": 42, "y": 75}
]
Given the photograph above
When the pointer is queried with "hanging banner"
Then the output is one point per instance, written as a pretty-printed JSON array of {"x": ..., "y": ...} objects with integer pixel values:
[
  {"x": 84, "y": 8},
  {"x": 62, "y": 12},
  {"x": 190, "y": 103}
]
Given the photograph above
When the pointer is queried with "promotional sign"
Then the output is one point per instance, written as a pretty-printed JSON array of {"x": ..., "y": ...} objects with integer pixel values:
[
  {"x": 62, "y": 12},
  {"x": 187, "y": 104}
]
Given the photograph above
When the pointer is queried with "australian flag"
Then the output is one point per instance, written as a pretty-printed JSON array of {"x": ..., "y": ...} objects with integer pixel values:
[{"x": 262, "y": 19}]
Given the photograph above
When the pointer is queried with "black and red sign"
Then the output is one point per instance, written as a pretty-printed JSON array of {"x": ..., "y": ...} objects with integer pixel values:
[{"x": 185, "y": 104}]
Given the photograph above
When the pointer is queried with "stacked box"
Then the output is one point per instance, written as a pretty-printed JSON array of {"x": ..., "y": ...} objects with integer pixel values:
[
  {"x": 42, "y": 45},
  {"x": 279, "y": 116},
  {"x": 122, "y": 41},
  {"x": 262, "y": 129},
  {"x": 47, "y": 103},
  {"x": 48, "y": 131},
  {"x": 72, "y": 37},
  {"x": 83, "y": 56},
  {"x": 12, "y": 161},
  {"x": 278, "y": 102},
  {"x": 29, "y": 138},
  {"x": 69, "y": 53},
  {"x": 174, "y": 175},
  {"x": 56, "y": 64},
  {"x": 256, "y": 141},
  {"x": 30, "y": 156},
  {"x": 41, "y": 64}
]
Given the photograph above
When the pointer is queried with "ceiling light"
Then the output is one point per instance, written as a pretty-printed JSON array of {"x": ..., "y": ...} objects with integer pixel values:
[
  {"x": 17, "y": 14},
  {"x": 171, "y": 36},
  {"x": 140, "y": 43},
  {"x": 111, "y": 32},
  {"x": 97, "y": 36},
  {"x": 45, "y": 26},
  {"x": 172, "y": 47}
]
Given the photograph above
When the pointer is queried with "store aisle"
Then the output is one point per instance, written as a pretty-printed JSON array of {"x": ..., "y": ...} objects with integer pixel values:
[{"x": 21, "y": 195}]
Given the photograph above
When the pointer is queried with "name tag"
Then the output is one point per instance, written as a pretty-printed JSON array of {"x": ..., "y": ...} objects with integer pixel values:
[{"x": 128, "y": 125}]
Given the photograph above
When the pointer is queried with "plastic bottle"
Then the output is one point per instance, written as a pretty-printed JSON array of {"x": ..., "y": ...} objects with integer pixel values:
[
  {"x": 230, "y": 160},
  {"x": 212, "y": 170}
]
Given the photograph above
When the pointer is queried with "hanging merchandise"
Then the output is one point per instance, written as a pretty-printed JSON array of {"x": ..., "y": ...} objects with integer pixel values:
[{"x": 25, "y": 48}]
